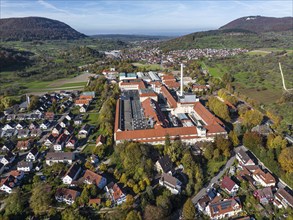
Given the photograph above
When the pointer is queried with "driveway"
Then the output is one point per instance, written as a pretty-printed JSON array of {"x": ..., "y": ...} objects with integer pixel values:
[{"x": 216, "y": 178}]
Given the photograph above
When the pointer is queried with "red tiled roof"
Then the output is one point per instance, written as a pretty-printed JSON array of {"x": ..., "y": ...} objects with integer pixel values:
[
  {"x": 172, "y": 85},
  {"x": 87, "y": 97},
  {"x": 207, "y": 116},
  {"x": 117, "y": 192},
  {"x": 168, "y": 78},
  {"x": 170, "y": 99},
  {"x": 92, "y": 177},
  {"x": 95, "y": 201},
  {"x": 150, "y": 112},
  {"x": 82, "y": 101},
  {"x": 227, "y": 183},
  {"x": 139, "y": 83},
  {"x": 266, "y": 177}
]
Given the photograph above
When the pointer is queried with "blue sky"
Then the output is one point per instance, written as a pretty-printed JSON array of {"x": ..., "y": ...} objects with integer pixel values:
[{"x": 144, "y": 16}]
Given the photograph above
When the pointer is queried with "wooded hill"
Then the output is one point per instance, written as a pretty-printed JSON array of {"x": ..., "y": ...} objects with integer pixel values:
[
  {"x": 36, "y": 28},
  {"x": 248, "y": 32}
]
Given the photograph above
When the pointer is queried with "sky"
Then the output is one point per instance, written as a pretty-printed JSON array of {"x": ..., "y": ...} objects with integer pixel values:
[{"x": 149, "y": 17}]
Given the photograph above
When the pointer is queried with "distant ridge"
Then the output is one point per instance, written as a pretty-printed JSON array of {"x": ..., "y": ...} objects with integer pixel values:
[
  {"x": 36, "y": 28},
  {"x": 248, "y": 32},
  {"x": 260, "y": 24}
]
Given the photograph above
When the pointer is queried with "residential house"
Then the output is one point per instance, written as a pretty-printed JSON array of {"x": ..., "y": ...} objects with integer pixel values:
[
  {"x": 115, "y": 193},
  {"x": 164, "y": 165},
  {"x": 60, "y": 142},
  {"x": 8, "y": 158},
  {"x": 57, "y": 130},
  {"x": 66, "y": 195},
  {"x": 45, "y": 125},
  {"x": 90, "y": 177},
  {"x": 77, "y": 120},
  {"x": 36, "y": 132},
  {"x": 50, "y": 116},
  {"x": 96, "y": 202},
  {"x": 8, "y": 146},
  {"x": 24, "y": 166},
  {"x": 209, "y": 197},
  {"x": 84, "y": 131},
  {"x": 264, "y": 195},
  {"x": 8, "y": 183},
  {"x": 24, "y": 145},
  {"x": 18, "y": 175},
  {"x": 64, "y": 123},
  {"x": 69, "y": 116},
  {"x": 23, "y": 133},
  {"x": 283, "y": 198},
  {"x": 21, "y": 125},
  {"x": 34, "y": 125},
  {"x": 50, "y": 140},
  {"x": 94, "y": 159},
  {"x": 81, "y": 102},
  {"x": 171, "y": 183},
  {"x": 264, "y": 179},
  {"x": 224, "y": 209},
  {"x": 2, "y": 168},
  {"x": 69, "y": 130},
  {"x": 100, "y": 140},
  {"x": 32, "y": 155},
  {"x": 9, "y": 126},
  {"x": 71, "y": 142},
  {"x": 243, "y": 158},
  {"x": 83, "y": 108},
  {"x": 9, "y": 133},
  {"x": 229, "y": 185},
  {"x": 59, "y": 157},
  {"x": 71, "y": 174}
]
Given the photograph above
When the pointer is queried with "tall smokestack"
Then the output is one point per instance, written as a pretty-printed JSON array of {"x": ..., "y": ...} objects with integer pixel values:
[{"x": 181, "y": 82}]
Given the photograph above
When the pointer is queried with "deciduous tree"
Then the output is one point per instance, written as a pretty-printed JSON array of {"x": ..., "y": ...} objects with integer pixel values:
[
  {"x": 189, "y": 211},
  {"x": 286, "y": 159}
]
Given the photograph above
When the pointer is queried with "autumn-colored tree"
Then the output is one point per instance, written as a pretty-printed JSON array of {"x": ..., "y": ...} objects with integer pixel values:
[
  {"x": 153, "y": 213},
  {"x": 252, "y": 140},
  {"x": 286, "y": 159},
  {"x": 219, "y": 108},
  {"x": 234, "y": 138},
  {"x": 189, "y": 211},
  {"x": 133, "y": 215},
  {"x": 41, "y": 199},
  {"x": 123, "y": 178},
  {"x": 252, "y": 118}
]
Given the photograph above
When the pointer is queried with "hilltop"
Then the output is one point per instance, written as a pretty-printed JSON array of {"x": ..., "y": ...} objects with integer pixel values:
[
  {"x": 248, "y": 32},
  {"x": 36, "y": 28},
  {"x": 260, "y": 24}
]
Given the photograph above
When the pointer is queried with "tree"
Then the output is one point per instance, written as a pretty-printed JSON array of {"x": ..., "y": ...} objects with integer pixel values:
[
  {"x": 41, "y": 199},
  {"x": 219, "y": 108},
  {"x": 252, "y": 118},
  {"x": 164, "y": 202},
  {"x": 189, "y": 211},
  {"x": 153, "y": 213},
  {"x": 15, "y": 204},
  {"x": 85, "y": 196},
  {"x": 234, "y": 138},
  {"x": 286, "y": 159},
  {"x": 167, "y": 140},
  {"x": 133, "y": 215},
  {"x": 123, "y": 178},
  {"x": 71, "y": 214},
  {"x": 252, "y": 140}
]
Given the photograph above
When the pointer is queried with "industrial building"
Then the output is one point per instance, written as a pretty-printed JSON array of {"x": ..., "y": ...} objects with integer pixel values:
[{"x": 148, "y": 112}]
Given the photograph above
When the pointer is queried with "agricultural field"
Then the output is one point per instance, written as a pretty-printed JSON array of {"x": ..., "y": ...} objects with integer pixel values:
[{"x": 147, "y": 67}]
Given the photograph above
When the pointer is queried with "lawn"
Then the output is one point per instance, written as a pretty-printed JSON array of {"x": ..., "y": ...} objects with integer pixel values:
[
  {"x": 148, "y": 67},
  {"x": 217, "y": 71},
  {"x": 263, "y": 96},
  {"x": 214, "y": 167},
  {"x": 89, "y": 149}
]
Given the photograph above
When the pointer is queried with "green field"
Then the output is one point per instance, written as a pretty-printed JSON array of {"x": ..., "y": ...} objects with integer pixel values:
[{"x": 148, "y": 67}]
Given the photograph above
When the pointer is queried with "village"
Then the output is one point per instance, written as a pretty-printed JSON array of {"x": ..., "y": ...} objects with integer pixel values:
[{"x": 48, "y": 142}]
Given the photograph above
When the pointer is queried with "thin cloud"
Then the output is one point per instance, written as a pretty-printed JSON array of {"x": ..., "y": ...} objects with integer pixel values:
[{"x": 51, "y": 6}]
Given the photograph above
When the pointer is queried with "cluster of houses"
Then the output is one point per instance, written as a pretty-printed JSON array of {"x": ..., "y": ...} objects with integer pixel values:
[
  {"x": 262, "y": 183},
  {"x": 84, "y": 100},
  {"x": 76, "y": 176},
  {"x": 164, "y": 166}
]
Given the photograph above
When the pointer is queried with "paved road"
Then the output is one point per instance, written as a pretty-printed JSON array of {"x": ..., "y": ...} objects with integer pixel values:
[{"x": 216, "y": 178}]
